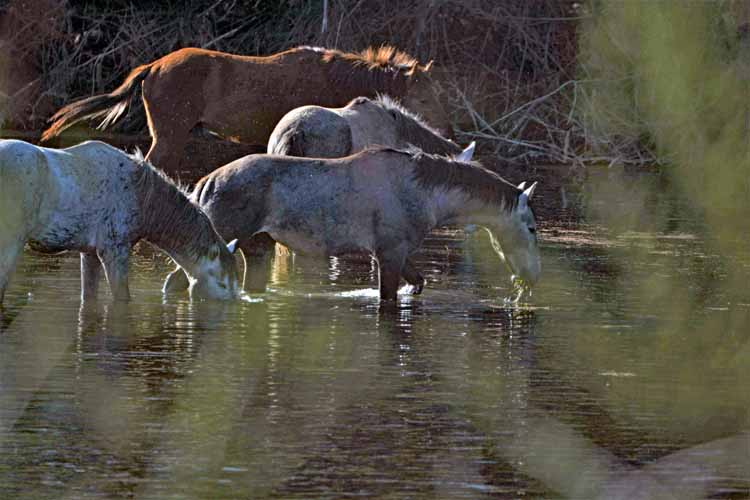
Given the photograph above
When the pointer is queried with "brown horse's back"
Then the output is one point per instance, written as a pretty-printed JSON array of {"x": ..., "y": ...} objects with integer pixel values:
[
  {"x": 243, "y": 97},
  {"x": 238, "y": 97}
]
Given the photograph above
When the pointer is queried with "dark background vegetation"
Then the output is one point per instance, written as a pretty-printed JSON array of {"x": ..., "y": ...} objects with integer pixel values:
[
  {"x": 558, "y": 81},
  {"x": 493, "y": 57}
]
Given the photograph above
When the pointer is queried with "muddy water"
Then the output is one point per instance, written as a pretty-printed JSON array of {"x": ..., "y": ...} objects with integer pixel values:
[{"x": 625, "y": 375}]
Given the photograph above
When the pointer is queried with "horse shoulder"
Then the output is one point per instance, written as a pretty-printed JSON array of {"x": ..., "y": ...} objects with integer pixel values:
[
  {"x": 23, "y": 175},
  {"x": 233, "y": 185}
]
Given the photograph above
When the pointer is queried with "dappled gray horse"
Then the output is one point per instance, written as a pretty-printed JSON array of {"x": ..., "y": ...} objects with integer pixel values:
[
  {"x": 318, "y": 132},
  {"x": 380, "y": 201},
  {"x": 100, "y": 201}
]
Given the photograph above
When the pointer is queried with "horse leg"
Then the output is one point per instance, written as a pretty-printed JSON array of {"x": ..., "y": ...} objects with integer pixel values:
[
  {"x": 390, "y": 265},
  {"x": 115, "y": 262},
  {"x": 9, "y": 255},
  {"x": 413, "y": 276},
  {"x": 257, "y": 252},
  {"x": 170, "y": 131},
  {"x": 90, "y": 272}
]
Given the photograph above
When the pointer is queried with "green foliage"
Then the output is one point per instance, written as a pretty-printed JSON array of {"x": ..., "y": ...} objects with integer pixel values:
[{"x": 672, "y": 71}]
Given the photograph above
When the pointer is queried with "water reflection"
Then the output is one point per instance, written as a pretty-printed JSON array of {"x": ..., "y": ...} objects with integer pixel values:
[{"x": 625, "y": 375}]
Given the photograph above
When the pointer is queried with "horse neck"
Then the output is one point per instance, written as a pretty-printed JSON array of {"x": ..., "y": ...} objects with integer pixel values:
[
  {"x": 360, "y": 80},
  {"x": 457, "y": 207},
  {"x": 462, "y": 193},
  {"x": 171, "y": 222},
  {"x": 418, "y": 135}
]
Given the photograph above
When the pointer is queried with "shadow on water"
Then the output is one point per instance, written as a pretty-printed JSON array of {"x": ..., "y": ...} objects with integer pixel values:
[{"x": 622, "y": 376}]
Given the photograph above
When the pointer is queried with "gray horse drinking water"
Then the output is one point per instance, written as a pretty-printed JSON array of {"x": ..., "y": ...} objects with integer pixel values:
[
  {"x": 100, "y": 201},
  {"x": 379, "y": 201}
]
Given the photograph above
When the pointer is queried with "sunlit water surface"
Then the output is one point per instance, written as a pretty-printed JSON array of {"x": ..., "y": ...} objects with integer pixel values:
[{"x": 624, "y": 375}]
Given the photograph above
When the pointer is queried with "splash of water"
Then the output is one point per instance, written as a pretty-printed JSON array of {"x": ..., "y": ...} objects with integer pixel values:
[
  {"x": 245, "y": 297},
  {"x": 520, "y": 288}
]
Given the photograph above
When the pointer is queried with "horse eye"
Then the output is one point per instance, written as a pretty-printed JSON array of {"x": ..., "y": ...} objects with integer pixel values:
[
  {"x": 222, "y": 285},
  {"x": 532, "y": 230}
]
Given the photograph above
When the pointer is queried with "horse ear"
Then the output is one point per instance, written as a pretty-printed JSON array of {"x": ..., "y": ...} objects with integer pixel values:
[
  {"x": 522, "y": 186},
  {"x": 427, "y": 67},
  {"x": 530, "y": 191},
  {"x": 467, "y": 153},
  {"x": 232, "y": 245},
  {"x": 525, "y": 196}
]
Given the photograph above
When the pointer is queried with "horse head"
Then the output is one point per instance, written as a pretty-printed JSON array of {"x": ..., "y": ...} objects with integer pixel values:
[
  {"x": 516, "y": 243},
  {"x": 422, "y": 97},
  {"x": 214, "y": 277}
]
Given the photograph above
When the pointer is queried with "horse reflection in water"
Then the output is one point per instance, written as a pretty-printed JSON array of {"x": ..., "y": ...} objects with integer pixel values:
[
  {"x": 381, "y": 201},
  {"x": 100, "y": 201}
]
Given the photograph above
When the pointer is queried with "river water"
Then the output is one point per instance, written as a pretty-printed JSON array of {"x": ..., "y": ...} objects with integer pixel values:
[{"x": 625, "y": 375}]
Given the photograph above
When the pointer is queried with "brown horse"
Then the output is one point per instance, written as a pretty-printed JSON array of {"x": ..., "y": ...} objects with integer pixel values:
[
  {"x": 243, "y": 97},
  {"x": 319, "y": 132}
]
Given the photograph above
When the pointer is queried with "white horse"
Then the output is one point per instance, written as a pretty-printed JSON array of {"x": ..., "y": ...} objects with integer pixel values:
[
  {"x": 100, "y": 201},
  {"x": 320, "y": 132},
  {"x": 380, "y": 201}
]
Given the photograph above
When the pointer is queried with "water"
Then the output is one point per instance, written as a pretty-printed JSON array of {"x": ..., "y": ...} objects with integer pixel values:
[{"x": 625, "y": 375}]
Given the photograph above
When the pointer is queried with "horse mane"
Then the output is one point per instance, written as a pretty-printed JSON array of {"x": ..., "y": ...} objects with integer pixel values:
[
  {"x": 414, "y": 130},
  {"x": 385, "y": 57},
  {"x": 167, "y": 212},
  {"x": 433, "y": 171},
  {"x": 385, "y": 68}
]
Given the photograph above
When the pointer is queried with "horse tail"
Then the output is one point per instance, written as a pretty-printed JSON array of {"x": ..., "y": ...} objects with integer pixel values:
[{"x": 111, "y": 105}]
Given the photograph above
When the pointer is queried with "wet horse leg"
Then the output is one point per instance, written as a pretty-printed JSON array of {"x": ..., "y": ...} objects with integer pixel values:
[
  {"x": 9, "y": 255},
  {"x": 390, "y": 265},
  {"x": 166, "y": 152},
  {"x": 90, "y": 272},
  {"x": 115, "y": 262},
  {"x": 170, "y": 131},
  {"x": 413, "y": 277},
  {"x": 257, "y": 252}
]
